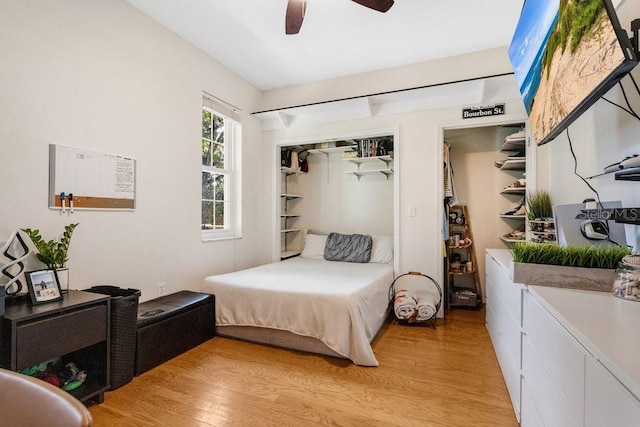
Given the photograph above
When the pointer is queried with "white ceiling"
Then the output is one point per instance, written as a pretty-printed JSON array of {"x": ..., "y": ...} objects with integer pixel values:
[{"x": 338, "y": 37}]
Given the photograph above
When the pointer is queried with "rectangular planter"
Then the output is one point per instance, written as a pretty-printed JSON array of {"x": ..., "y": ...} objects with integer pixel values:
[{"x": 559, "y": 276}]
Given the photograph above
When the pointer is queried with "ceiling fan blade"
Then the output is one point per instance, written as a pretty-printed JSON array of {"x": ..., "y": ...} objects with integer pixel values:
[
  {"x": 294, "y": 16},
  {"x": 379, "y": 5}
]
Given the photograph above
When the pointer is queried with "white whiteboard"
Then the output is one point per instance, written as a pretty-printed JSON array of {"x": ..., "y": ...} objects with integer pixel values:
[{"x": 96, "y": 180}]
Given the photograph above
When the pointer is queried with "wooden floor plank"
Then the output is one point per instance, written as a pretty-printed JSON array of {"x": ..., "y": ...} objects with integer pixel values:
[{"x": 448, "y": 376}]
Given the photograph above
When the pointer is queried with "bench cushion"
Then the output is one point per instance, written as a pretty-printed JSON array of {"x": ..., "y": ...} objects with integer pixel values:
[{"x": 170, "y": 305}]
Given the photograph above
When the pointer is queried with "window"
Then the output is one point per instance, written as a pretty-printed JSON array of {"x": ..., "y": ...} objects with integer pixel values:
[{"x": 220, "y": 211}]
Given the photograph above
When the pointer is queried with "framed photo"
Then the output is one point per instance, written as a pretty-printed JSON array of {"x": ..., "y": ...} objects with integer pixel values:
[{"x": 43, "y": 286}]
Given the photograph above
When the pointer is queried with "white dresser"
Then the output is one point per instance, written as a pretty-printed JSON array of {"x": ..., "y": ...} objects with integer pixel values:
[{"x": 569, "y": 357}]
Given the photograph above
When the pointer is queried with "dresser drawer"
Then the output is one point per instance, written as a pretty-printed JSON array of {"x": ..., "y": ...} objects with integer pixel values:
[
  {"x": 58, "y": 335},
  {"x": 560, "y": 355},
  {"x": 543, "y": 393},
  {"x": 607, "y": 401}
]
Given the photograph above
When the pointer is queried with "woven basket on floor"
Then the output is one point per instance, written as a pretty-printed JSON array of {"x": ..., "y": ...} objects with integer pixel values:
[{"x": 430, "y": 281}]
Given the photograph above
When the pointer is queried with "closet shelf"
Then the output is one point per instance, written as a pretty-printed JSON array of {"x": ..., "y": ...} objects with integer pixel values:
[
  {"x": 290, "y": 215},
  {"x": 513, "y": 145},
  {"x": 543, "y": 232},
  {"x": 462, "y": 273},
  {"x": 514, "y": 165},
  {"x": 359, "y": 173},
  {"x": 513, "y": 216},
  {"x": 289, "y": 254},
  {"x": 504, "y": 239},
  {"x": 290, "y": 230},
  {"x": 520, "y": 190},
  {"x": 330, "y": 150},
  {"x": 360, "y": 160},
  {"x": 291, "y": 196}
]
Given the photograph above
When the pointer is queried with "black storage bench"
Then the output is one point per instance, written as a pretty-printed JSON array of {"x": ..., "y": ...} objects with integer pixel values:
[{"x": 172, "y": 324}]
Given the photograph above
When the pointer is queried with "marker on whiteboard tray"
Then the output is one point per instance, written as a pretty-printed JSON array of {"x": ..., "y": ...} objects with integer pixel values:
[
  {"x": 62, "y": 198},
  {"x": 70, "y": 202}
]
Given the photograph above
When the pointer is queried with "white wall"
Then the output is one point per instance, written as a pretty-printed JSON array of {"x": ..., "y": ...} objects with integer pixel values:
[
  {"x": 335, "y": 201},
  {"x": 602, "y": 136},
  {"x": 100, "y": 75},
  {"x": 455, "y": 68}
]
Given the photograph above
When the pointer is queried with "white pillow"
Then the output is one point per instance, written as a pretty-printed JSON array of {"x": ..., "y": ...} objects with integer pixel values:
[
  {"x": 382, "y": 249},
  {"x": 314, "y": 246}
]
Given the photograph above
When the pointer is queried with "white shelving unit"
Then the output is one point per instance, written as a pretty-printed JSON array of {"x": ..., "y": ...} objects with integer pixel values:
[
  {"x": 514, "y": 147},
  {"x": 330, "y": 150},
  {"x": 387, "y": 170},
  {"x": 287, "y": 217}
]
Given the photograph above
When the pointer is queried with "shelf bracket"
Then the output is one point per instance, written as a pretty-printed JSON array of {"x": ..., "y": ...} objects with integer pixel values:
[{"x": 285, "y": 119}]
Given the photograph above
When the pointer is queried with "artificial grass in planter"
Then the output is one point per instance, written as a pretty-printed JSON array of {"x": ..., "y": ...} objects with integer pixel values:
[
  {"x": 576, "y": 267},
  {"x": 594, "y": 256}
]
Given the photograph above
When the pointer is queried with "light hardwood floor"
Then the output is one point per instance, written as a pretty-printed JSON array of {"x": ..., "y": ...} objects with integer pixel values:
[{"x": 443, "y": 377}]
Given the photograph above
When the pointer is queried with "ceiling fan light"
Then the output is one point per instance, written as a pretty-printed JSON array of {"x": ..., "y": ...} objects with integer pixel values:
[
  {"x": 294, "y": 16},
  {"x": 379, "y": 5}
]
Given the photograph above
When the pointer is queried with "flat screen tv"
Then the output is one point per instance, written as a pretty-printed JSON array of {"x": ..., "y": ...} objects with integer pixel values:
[{"x": 566, "y": 54}]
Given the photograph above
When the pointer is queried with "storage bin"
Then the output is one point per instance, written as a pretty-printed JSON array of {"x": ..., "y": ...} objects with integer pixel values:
[
  {"x": 464, "y": 297},
  {"x": 124, "y": 314},
  {"x": 171, "y": 325}
]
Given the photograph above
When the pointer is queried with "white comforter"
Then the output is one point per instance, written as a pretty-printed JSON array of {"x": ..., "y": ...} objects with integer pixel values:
[{"x": 343, "y": 304}]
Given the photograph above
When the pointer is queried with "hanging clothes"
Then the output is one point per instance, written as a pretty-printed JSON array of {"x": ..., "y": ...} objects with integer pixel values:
[
  {"x": 449, "y": 195},
  {"x": 449, "y": 186}
]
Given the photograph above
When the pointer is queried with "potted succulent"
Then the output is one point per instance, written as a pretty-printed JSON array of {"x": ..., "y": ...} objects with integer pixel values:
[
  {"x": 577, "y": 267},
  {"x": 53, "y": 253}
]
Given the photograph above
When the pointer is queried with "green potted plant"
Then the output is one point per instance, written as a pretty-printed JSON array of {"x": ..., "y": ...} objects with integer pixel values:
[
  {"x": 540, "y": 216},
  {"x": 539, "y": 205},
  {"x": 577, "y": 267},
  {"x": 53, "y": 253}
]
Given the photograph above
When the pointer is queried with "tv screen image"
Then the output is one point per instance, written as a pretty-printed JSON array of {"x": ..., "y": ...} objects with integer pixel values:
[{"x": 565, "y": 55}]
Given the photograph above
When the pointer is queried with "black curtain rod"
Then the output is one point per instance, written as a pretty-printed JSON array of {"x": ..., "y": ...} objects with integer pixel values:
[{"x": 385, "y": 93}]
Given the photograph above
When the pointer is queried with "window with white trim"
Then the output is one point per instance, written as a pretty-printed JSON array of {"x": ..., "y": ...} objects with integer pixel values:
[{"x": 220, "y": 210}]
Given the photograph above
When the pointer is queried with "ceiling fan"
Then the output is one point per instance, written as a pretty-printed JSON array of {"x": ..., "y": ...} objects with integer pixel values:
[{"x": 296, "y": 8}]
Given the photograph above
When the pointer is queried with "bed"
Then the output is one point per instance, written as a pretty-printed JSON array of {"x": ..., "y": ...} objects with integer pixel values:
[{"x": 307, "y": 303}]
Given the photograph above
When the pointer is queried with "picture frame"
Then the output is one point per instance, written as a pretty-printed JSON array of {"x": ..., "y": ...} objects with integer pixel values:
[{"x": 43, "y": 286}]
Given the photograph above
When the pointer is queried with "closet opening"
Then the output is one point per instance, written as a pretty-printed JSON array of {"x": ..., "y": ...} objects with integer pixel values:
[
  {"x": 345, "y": 184},
  {"x": 484, "y": 201}
]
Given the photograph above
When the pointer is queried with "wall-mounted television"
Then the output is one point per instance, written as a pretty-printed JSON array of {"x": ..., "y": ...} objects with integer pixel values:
[{"x": 566, "y": 54}]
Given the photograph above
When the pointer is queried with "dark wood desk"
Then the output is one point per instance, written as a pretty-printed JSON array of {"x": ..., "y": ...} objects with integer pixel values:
[{"x": 75, "y": 328}]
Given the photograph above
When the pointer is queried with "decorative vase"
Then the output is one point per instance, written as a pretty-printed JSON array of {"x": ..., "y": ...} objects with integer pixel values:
[
  {"x": 560, "y": 276},
  {"x": 63, "y": 278}
]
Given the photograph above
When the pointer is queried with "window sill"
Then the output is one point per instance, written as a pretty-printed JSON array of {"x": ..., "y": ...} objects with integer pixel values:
[{"x": 217, "y": 239}]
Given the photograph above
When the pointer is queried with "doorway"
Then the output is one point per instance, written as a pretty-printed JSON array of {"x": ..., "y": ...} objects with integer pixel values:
[{"x": 475, "y": 153}]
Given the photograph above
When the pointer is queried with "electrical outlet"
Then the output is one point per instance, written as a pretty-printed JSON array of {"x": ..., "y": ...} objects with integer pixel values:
[{"x": 161, "y": 289}]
